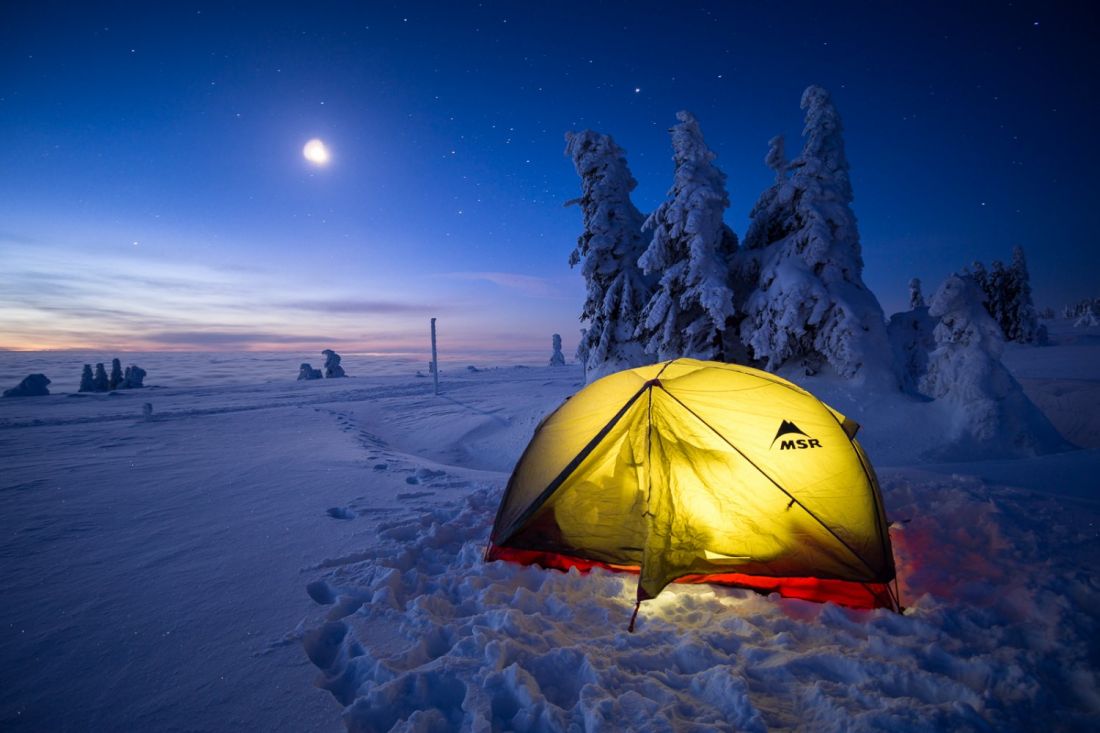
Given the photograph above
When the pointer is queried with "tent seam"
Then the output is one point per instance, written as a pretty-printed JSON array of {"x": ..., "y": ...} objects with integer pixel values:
[{"x": 774, "y": 483}]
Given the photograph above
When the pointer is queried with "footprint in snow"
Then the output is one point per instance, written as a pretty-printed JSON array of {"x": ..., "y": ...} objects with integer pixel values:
[
  {"x": 321, "y": 592},
  {"x": 424, "y": 474},
  {"x": 415, "y": 494},
  {"x": 340, "y": 512},
  {"x": 343, "y": 604}
]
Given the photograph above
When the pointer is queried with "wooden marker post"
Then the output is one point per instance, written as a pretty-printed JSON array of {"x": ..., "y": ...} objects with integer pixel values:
[{"x": 435, "y": 361}]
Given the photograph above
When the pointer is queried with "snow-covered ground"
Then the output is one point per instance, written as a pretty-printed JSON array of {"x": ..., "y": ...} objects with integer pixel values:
[{"x": 265, "y": 554}]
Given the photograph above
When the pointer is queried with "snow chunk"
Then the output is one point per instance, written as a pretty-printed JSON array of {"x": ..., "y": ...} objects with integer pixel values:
[{"x": 33, "y": 385}]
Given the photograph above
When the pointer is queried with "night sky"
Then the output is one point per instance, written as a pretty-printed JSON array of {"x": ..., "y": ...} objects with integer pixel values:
[{"x": 154, "y": 194}]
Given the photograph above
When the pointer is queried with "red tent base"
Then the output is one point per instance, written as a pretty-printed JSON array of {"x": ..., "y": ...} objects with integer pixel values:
[{"x": 841, "y": 592}]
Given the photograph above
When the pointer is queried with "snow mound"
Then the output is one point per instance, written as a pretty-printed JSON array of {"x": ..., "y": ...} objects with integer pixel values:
[{"x": 423, "y": 635}]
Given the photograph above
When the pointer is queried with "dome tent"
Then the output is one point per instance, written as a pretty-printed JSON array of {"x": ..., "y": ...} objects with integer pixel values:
[{"x": 696, "y": 471}]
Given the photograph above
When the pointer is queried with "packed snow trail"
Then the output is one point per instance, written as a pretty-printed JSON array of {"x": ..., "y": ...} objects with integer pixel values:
[{"x": 154, "y": 570}]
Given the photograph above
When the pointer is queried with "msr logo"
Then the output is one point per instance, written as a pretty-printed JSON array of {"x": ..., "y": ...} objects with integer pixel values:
[{"x": 789, "y": 428}]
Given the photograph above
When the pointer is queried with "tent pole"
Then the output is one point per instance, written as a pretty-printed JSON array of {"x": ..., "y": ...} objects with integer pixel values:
[{"x": 634, "y": 616}]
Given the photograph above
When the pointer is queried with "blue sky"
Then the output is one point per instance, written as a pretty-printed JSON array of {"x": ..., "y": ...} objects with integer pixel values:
[{"x": 155, "y": 195}]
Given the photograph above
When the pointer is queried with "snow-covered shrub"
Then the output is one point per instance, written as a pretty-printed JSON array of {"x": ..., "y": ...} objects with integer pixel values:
[
  {"x": 306, "y": 372},
  {"x": 332, "y": 364},
  {"x": 911, "y": 340},
  {"x": 692, "y": 252},
  {"x": 115, "y": 380},
  {"x": 993, "y": 416},
  {"x": 809, "y": 305},
  {"x": 916, "y": 297},
  {"x": 556, "y": 358},
  {"x": 100, "y": 381},
  {"x": 134, "y": 378},
  {"x": 608, "y": 251},
  {"x": 87, "y": 382},
  {"x": 33, "y": 385}
]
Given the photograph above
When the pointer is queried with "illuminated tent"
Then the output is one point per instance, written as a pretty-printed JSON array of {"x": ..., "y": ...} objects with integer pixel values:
[{"x": 701, "y": 472}]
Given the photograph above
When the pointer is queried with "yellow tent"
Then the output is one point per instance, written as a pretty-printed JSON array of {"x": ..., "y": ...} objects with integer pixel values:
[{"x": 696, "y": 471}]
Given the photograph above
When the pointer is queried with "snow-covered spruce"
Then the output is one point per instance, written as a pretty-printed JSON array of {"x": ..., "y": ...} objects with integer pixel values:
[
  {"x": 582, "y": 349},
  {"x": 1006, "y": 295},
  {"x": 912, "y": 339},
  {"x": 134, "y": 378},
  {"x": 332, "y": 364},
  {"x": 993, "y": 416},
  {"x": 916, "y": 297},
  {"x": 1088, "y": 319},
  {"x": 1084, "y": 307},
  {"x": 810, "y": 306},
  {"x": 557, "y": 358},
  {"x": 87, "y": 381},
  {"x": 692, "y": 253},
  {"x": 608, "y": 251},
  {"x": 1025, "y": 318},
  {"x": 100, "y": 381},
  {"x": 115, "y": 380}
]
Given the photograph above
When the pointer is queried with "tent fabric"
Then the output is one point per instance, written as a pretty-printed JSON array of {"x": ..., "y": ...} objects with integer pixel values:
[{"x": 701, "y": 472}]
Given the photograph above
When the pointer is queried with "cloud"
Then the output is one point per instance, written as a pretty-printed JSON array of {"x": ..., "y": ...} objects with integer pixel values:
[
  {"x": 223, "y": 339},
  {"x": 351, "y": 305},
  {"x": 529, "y": 285}
]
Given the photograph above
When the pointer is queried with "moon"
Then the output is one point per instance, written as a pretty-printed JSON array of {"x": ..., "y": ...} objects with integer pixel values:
[{"x": 316, "y": 152}]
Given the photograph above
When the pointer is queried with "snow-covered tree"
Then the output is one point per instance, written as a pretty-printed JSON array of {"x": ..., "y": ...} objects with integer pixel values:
[
  {"x": 1088, "y": 319},
  {"x": 776, "y": 159},
  {"x": 100, "y": 381},
  {"x": 809, "y": 305},
  {"x": 999, "y": 295},
  {"x": 1082, "y": 307},
  {"x": 87, "y": 382},
  {"x": 692, "y": 253},
  {"x": 981, "y": 278},
  {"x": 115, "y": 380},
  {"x": 769, "y": 220},
  {"x": 556, "y": 358},
  {"x": 965, "y": 370},
  {"x": 1006, "y": 295},
  {"x": 581, "y": 354},
  {"x": 332, "y": 364},
  {"x": 134, "y": 378},
  {"x": 608, "y": 251},
  {"x": 1024, "y": 322},
  {"x": 911, "y": 339},
  {"x": 916, "y": 297}
]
